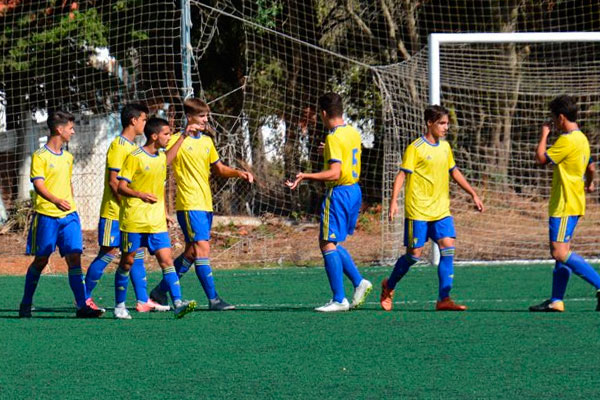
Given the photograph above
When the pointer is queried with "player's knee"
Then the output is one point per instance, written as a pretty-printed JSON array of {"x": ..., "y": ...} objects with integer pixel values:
[
  {"x": 415, "y": 252},
  {"x": 201, "y": 249},
  {"x": 559, "y": 254},
  {"x": 73, "y": 260},
  {"x": 40, "y": 262}
]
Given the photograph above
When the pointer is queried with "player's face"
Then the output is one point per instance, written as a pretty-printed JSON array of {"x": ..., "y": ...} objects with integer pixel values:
[
  {"x": 139, "y": 123},
  {"x": 439, "y": 128},
  {"x": 66, "y": 131},
  {"x": 163, "y": 137},
  {"x": 200, "y": 119}
]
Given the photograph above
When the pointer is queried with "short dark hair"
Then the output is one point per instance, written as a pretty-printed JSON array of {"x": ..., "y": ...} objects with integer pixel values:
[
  {"x": 131, "y": 111},
  {"x": 434, "y": 113},
  {"x": 332, "y": 104},
  {"x": 565, "y": 105},
  {"x": 154, "y": 125},
  {"x": 195, "y": 107},
  {"x": 58, "y": 118}
]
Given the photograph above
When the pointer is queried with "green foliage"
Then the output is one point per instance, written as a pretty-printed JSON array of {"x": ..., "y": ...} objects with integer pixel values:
[{"x": 268, "y": 11}]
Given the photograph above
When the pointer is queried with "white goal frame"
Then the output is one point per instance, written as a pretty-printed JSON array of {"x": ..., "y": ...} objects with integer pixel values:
[{"x": 435, "y": 40}]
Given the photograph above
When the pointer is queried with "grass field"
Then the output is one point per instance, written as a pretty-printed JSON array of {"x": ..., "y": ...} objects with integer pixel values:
[{"x": 275, "y": 346}]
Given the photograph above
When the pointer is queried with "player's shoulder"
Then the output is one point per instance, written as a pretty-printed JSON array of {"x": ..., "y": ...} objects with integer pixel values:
[
  {"x": 418, "y": 142},
  {"x": 137, "y": 152},
  {"x": 41, "y": 151}
]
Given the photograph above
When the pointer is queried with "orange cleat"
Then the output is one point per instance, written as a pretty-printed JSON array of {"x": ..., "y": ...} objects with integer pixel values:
[
  {"x": 149, "y": 306},
  {"x": 91, "y": 304},
  {"x": 387, "y": 296},
  {"x": 448, "y": 304}
]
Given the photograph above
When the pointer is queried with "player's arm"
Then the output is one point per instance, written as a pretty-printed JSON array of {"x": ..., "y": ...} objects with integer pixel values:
[
  {"x": 42, "y": 190},
  {"x": 225, "y": 171},
  {"x": 590, "y": 172},
  {"x": 540, "y": 153},
  {"x": 462, "y": 182},
  {"x": 173, "y": 148},
  {"x": 125, "y": 190},
  {"x": 398, "y": 183},
  {"x": 113, "y": 183},
  {"x": 331, "y": 174}
]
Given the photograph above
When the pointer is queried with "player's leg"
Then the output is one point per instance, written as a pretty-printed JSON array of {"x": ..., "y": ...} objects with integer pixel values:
[
  {"x": 164, "y": 256},
  {"x": 130, "y": 243},
  {"x": 31, "y": 281},
  {"x": 415, "y": 236},
  {"x": 109, "y": 237},
  {"x": 205, "y": 276},
  {"x": 444, "y": 234},
  {"x": 560, "y": 278}
]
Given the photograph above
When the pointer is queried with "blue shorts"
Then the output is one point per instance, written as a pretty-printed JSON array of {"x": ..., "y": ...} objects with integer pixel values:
[
  {"x": 131, "y": 241},
  {"x": 109, "y": 234},
  {"x": 417, "y": 232},
  {"x": 561, "y": 228},
  {"x": 45, "y": 233},
  {"x": 195, "y": 225},
  {"x": 339, "y": 212}
]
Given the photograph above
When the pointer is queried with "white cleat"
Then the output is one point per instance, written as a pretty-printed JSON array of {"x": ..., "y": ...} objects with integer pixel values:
[
  {"x": 121, "y": 313},
  {"x": 360, "y": 293},
  {"x": 334, "y": 306}
]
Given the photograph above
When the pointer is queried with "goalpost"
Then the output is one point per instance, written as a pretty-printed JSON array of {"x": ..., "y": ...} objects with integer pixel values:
[{"x": 436, "y": 40}]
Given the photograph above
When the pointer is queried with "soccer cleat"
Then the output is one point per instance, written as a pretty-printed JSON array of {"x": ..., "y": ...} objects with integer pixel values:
[
  {"x": 387, "y": 296},
  {"x": 360, "y": 293},
  {"x": 334, "y": 306},
  {"x": 159, "y": 296},
  {"x": 90, "y": 303},
  {"x": 121, "y": 313},
  {"x": 183, "y": 307},
  {"x": 598, "y": 303},
  {"x": 149, "y": 306},
  {"x": 217, "y": 304},
  {"x": 447, "y": 304},
  {"x": 25, "y": 310},
  {"x": 548, "y": 306},
  {"x": 88, "y": 312}
]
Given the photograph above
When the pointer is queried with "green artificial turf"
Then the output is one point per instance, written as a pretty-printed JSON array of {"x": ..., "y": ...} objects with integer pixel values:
[{"x": 276, "y": 346}]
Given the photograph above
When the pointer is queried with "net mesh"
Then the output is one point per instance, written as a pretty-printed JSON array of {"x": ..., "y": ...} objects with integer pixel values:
[{"x": 92, "y": 57}]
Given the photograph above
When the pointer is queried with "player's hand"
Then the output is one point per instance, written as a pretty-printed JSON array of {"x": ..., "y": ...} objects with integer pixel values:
[
  {"x": 247, "y": 176},
  {"x": 170, "y": 221},
  {"x": 321, "y": 148},
  {"x": 478, "y": 203},
  {"x": 148, "y": 198},
  {"x": 62, "y": 205},
  {"x": 590, "y": 188},
  {"x": 393, "y": 210},
  {"x": 191, "y": 128},
  {"x": 546, "y": 127},
  {"x": 293, "y": 185}
]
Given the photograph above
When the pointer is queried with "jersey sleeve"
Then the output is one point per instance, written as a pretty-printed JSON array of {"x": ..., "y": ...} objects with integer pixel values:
[
  {"x": 559, "y": 150},
  {"x": 451, "y": 162},
  {"x": 409, "y": 159},
  {"x": 172, "y": 141},
  {"x": 38, "y": 167},
  {"x": 128, "y": 170},
  {"x": 333, "y": 151},
  {"x": 213, "y": 155},
  {"x": 115, "y": 156}
]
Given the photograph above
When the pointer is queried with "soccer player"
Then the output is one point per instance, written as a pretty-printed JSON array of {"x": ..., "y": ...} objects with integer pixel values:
[
  {"x": 572, "y": 176},
  {"x": 55, "y": 221},
  {"x": 142, "y": 217},
  {"x": 427, "y": 166},
  {"x": 194, "y": 156},
  {"x": 133, "y": 120},
  {"x": 341, "y": 203}
]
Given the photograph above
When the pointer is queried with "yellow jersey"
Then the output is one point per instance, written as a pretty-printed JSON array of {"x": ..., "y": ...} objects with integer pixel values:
[
  {"x": 119, "y": 148},
  {"x": 428, "y": 167},
  {"x": 56, "y": 170},
  {"x": 145, "y": 173},
  {"x": 570, "y": 155},
  {"x": 191, "y": 167},
  {"x": 343, "y": 145}
]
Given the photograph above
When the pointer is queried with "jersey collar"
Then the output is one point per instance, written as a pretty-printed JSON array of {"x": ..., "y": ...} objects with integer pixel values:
[
  {"x": 332, "y": 130},
  {"x": 56, "y": 154},
  {"x": 429, "y": 143}
]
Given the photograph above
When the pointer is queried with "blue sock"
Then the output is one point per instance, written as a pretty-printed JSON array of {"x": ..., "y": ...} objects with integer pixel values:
[
  {"x": 182, "y": 265},
  {"x": 349, "y": 266},
  {"x": 77, "y": 283},
  {"x": 446, "y": 272},
  {"x": 121, "y": 283},
  {"x": 400, "y": 269},
  {"x": 170, "y": 277},
  {"x": 583, "y": 269},
  {"x": 31, "y": 280},
  {"x": 138, "y": 277},
  {"x": 560, "y": 278},
  {"x": 334, "y": 269},
  {"x": 95, "y": 271},
  {"x": 204, "y": 274}
]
